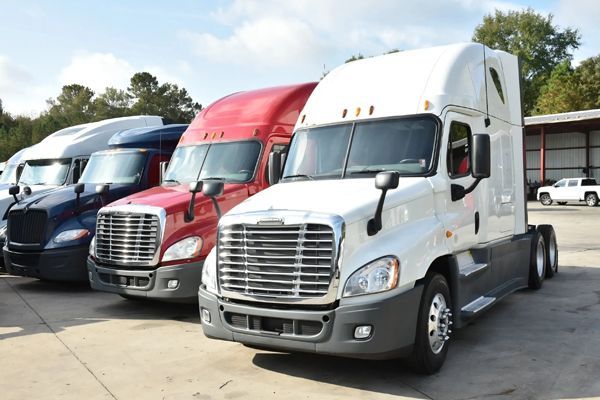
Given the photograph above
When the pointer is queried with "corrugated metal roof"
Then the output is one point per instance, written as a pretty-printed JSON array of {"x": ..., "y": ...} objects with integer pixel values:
[{"x": 564, "y": 117}]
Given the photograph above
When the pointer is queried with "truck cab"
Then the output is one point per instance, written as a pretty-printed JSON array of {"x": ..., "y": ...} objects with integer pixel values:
[
  {"x": 570, "y": 190},
  {"x": 49, "y": 233},
  {"x": 172, "y": 227},
  {"x": 60, "y": 158},
  {"x": 400, "y": 214}
]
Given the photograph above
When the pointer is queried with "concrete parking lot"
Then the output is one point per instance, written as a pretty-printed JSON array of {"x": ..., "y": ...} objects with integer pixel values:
[{"x": 67, "y": 342}]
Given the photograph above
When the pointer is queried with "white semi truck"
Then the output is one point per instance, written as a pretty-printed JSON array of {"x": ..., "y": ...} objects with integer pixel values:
[{"x": 400, "y": 214}]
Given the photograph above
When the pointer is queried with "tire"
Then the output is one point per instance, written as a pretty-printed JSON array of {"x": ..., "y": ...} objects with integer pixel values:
[
  {"x": 591, "y": 199},
  {"x": 549, "y": 236},
  {"x": 537, "y": 261},
  {"x": 429, "y": 355},
  {"x": 545, "y": 199},
  {"x": 561, "y": 203}
]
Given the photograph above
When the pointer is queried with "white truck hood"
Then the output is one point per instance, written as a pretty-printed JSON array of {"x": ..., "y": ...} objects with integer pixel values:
[{"x": 352, "y": 199}]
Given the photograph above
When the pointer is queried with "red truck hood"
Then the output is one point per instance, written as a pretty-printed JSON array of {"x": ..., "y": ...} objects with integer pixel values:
[{"x": 172, "y": 198}]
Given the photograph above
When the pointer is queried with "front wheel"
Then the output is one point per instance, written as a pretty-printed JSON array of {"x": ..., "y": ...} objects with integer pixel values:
[
  {"x": 433, "y": 326},
  {"x": 537, "y": 261},
  {"x": 545, "y": 199},
  {"x": 591, "y": 199}
]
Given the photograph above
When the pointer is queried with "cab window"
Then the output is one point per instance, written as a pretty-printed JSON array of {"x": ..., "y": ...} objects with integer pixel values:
[
  {"x": 573, "y": 182},
  {"x": 459, "y": 160},
  {"x": 561, "y": 183}
]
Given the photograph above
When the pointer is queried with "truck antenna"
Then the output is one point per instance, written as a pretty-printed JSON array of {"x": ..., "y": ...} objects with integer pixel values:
[{"x": 487, "y": 103}]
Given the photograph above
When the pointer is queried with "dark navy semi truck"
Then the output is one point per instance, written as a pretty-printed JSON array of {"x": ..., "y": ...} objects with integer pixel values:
[{"x": 48, "y": 235}]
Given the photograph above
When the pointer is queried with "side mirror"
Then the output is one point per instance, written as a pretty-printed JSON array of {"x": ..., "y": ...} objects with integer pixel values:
[
  {"x": 213, "y": 189},
  {"x": 14, "y": 191},
  {"x": 481, "y": 156},
  {"x": 481, "y": 165},
  {"x": 163, "y": 169},
  {"x": 195, "y": 187},
  {"x": 76, "y": 171},
  {"x": 27, "y": 191},
  {"x": 274, "y": 167},
  {"x": 78, "y": 189},
  {"x": 383, "y": 181},
  {"x": 102, "y": 190},
  {"x": 18, "y": 172}
]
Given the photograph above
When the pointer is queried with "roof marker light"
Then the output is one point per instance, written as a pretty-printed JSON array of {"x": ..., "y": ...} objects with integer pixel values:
[
  {"x": 214, "y": 135},
  {"x": 427, "y": 105},
  {"x": 205, "y": 135},
  {"x": 344, "y": 113},
  {"x": 303, "y": 118},
  {"x": 449, "y": 234},
  {"x": 255, "y": 132},
  {"x": 222, "y": 134},
  {"x": 371, "y": 109},
  {"x": 357, "y": 112}
]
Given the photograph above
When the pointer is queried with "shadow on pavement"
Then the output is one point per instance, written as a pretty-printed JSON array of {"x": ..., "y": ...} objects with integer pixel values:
[
  {"x": 533, "y": 344},
  {"x": 30, "y": 306}
]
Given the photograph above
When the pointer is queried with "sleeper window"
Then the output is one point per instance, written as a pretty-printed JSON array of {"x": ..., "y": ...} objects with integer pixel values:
[{"x": 459, "y": 161}]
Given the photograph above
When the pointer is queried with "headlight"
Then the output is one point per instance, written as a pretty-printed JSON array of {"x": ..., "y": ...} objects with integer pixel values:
[
  {"x": 93, "y": 247},
  {"x": 3, "y": 230},
  {"x": 209, "y": 271},
  {"x": 186, "y": 248},
  {"x": 377, "y": 276},
  {"x": 70, "y": 235}
]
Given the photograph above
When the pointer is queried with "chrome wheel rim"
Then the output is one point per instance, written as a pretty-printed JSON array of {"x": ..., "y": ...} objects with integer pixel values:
[
  {"x": 552, "y": 252},
  {"x": 545, "y": 199},
  {"x": 591, "y": 200},
  {"x": 539, "y": 257},
  {"x": 438, "y": 323}
]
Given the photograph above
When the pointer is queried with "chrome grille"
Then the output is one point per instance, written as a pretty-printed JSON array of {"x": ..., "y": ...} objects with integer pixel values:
[
  {"x": 290, "y": 261},
  {"x": 127, "y": 238}
]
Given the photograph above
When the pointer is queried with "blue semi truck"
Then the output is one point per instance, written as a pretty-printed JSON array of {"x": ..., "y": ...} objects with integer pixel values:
[{"x": 48, "y": 235}]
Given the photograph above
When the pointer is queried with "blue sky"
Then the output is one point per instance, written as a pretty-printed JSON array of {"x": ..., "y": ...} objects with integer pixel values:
[{"x": 213, "y": 48}]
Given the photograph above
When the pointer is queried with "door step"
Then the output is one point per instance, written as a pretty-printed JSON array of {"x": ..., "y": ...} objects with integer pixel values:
[
  {"x": 477, "y": 305},
  {"x": 471, "y": 269}
]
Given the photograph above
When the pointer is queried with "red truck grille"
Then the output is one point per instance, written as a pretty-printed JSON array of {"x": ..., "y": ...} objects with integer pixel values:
[
  {"x": 291, "y": 261},
  {"x": 127, "y": 239}
]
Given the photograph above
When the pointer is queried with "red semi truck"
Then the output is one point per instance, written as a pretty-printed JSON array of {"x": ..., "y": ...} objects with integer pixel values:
[{"x": 153, "y": 244}]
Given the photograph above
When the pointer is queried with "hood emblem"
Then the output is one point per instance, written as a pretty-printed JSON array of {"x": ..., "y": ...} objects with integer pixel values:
[{"x": 271, "y": 221}]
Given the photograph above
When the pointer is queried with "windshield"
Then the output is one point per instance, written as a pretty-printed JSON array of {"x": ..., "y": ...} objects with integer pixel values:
[
  {"x": 232, "y": 162},
  {"x": 45, "y": 172},
  {"x": 8, "y": 176},
  {"x": 363, "y": 148},
  {"x": 117, "y": 167}
]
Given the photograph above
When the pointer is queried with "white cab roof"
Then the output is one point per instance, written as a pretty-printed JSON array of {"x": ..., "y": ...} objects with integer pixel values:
[
  {"x": 83, "y": 140},
  {"x": 399, "y": 84}
]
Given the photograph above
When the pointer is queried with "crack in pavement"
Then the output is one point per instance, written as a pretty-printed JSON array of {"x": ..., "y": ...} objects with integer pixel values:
[{"x": 61, "y": 341}]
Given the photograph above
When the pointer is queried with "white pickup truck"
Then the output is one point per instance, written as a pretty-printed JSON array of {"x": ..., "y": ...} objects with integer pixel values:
[{"x": 571, "y": 189}]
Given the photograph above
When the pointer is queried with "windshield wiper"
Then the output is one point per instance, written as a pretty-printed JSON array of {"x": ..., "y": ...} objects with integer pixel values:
[
  {"x": 367, "y": 171},
  {"x": 213, "y": 178},
  {"x": 172, "y": 180},
  {"x": 299, "y": 176}
]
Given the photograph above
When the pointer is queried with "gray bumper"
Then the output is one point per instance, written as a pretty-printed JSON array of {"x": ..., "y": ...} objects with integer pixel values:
[
  {"x": 393, "y": 319},
  {"x": 148, "y": 283}
]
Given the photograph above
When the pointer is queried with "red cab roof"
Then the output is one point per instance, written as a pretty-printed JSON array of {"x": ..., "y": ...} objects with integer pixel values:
[{"x": 254, "y": 113}]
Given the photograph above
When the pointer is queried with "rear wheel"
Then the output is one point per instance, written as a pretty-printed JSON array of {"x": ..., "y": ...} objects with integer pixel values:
[
  {"x": 549, "y": 236},
  {"x": 591, "y": 199},
  {"x": 545, "y": 199},
  {"x": 537, "y": 262},
  {"x": 433, "y": 326}
]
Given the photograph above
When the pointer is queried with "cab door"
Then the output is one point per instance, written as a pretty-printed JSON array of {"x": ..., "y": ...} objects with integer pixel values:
[{"x": 462, "y": 217}]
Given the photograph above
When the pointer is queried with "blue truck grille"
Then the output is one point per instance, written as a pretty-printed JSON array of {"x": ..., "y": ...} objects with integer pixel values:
[{"x": 27, "y": 226}]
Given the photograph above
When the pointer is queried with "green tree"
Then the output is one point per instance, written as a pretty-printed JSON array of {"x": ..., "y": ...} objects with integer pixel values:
[
  {"x": 166, "y": 100},
  {"x": 588, "y": 76},
  {"x": 73, "y": 105},
  {"x": 561, "y": 93},
  {"x": 355, "y": 57},
  {"x": 532, "y": 37},
  {"x": 112, "y": 103}
]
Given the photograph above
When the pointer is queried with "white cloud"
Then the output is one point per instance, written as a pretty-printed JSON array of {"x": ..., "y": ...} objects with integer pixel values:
[
  {"x": 19, "y": 90},
  {"x": 262, "y": 42},
  {"x": 97, "y": 71},
  {"x": 12, "y": 76}
]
